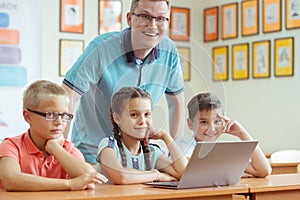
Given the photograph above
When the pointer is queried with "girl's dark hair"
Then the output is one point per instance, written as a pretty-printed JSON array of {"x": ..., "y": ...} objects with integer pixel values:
[
  {"x": 203, "y": 101},
  {"x": 119, "y": 99}
]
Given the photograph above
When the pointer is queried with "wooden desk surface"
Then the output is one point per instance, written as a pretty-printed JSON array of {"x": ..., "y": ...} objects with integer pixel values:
[
  {"x": 283, "y": 167},
  {"x": 281, "y": 186},
  {"x": 131, "y": 192}
]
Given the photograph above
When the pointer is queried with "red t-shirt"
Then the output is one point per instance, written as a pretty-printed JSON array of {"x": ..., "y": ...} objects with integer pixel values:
[{"x": 31, "y": 159}]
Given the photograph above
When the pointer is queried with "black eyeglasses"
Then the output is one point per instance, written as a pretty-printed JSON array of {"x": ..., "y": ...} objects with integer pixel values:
[
  {"x": 148, "y": 18},
  {"x": 52, "y": 116}
]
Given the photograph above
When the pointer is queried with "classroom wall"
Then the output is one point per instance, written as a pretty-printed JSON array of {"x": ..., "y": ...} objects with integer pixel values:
[{"x": 266, "y": 107}]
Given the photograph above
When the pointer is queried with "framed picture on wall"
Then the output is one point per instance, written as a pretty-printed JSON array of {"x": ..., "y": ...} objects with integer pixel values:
[
  {"x": 271, "y": 15},
  {"x": 69, "y": 51},
  {"x": 261, "y": 59},
  {"x": 71, "y": 16},
  {"x": 180, "y": 24},
  {"x": 109, "y": 16},
  {"x": 229, "y": 21},
  {"x": 284, "y": 56},
  {"x": 184, "y": 55},
  {"x": 211, "y": 24},
  {"x": 292, "y": 14},
  {"x": 249, "y": 17},
  {"x": 220, "y": 63},
  {"x": 240, "y": 61}
]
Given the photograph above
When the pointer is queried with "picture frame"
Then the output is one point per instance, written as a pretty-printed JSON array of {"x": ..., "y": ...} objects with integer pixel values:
[
  {"x": 271, "y": 16},
  {"x": 250, "y": 17},
  {"x": 284, "y": 55},
  {"x": 69, "y": 52},
  {"x": 220, "y": 63},
  {"x": 229, "y": 21},
  {"x": 240, "y": 61},
  {"x": 180, "y": 24},
  {"x": 185, "y": 57},
  {"x": 109, "y": 16},
  {"x": 211, "y": 24},
  {"x": 71, "y": 16},
  {"x": 292, "y": 14},
  {"x": 261, "y": 59}
]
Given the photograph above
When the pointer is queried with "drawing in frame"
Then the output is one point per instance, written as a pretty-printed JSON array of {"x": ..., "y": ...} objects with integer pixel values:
[
  {"x": 180, "y": 24},
  {"x": 109, "y": 16},
  {"x": 211, "y": 24},
  {"x": 71, "y": 16},
  {"x": 261, "y": 59},
  {"x": 240, "y": 61},
  {"x": 250, "y": 17},
  {"x": 229, "y": 21},
  {"x": 69, "y": 51},
  {"x": 292, "y": 14},
  {"x": 184, "y": 55},
  {"x": 271, "y": 16},
  {"x": 220, "y": 63},
  {"x": 284, "y": 55}
]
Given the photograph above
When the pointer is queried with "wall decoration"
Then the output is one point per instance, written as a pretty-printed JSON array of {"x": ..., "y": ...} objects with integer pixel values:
[
  {"x": 292, "y": 14},
  {"x": 109, "y": 16},
  {"x": 211, "y": 24},
  {"x": 240, "y": 61},
  {"x": 271, "y": 15},
  {"x": 71, "y": 16},
  {"x": 250, "y": 17},
  {"x": 229, "y": 21},
  {"x": 261, "y": 59},
  {"x": 284, "y": 56},
  {"x": 180, "y": 24},
  {"x": 184, "y": 54},
  {"x": 69, "y": 51},
  {"x": 220, "y": 63}
]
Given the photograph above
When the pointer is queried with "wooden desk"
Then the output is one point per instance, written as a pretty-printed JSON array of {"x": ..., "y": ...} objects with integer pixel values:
[
  {"x": 278, "y": 186},
  {"x": 132, "y": 192},
  {"x": 283, "y": 168}
]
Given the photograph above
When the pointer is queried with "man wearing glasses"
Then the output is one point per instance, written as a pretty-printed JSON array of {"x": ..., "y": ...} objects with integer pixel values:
[{"x": 140, "y": 56}]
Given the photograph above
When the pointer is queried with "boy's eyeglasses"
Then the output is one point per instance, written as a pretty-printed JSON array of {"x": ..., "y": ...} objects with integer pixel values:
[
  {"x": 160, "y": 20},
  {"x": 52, "y": 116}
]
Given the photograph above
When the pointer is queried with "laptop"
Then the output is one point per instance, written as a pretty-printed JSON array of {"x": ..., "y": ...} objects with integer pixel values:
[{"x": 214, "y": 164}]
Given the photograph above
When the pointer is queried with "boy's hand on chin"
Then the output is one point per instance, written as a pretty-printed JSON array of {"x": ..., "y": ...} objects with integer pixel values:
[{"x": 52, "y": 143}]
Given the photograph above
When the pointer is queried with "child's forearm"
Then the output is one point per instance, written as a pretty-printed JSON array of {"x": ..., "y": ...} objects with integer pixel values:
[
  {"x": 260, "y": 164},
  {"x": 178, "y": 158},
  {"x": 28, "y": 182},
  {"x": 72, "y": 165}
]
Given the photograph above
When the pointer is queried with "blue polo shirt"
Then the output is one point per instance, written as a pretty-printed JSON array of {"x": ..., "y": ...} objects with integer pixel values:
[{"x": 107, "y": 65}]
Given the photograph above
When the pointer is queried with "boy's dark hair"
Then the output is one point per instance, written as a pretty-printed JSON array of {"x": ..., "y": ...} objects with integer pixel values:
[{"x": 203, "y": 101}]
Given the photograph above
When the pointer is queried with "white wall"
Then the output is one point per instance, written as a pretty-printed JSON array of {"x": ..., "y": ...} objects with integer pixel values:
[{"x": 267, "y": 107}]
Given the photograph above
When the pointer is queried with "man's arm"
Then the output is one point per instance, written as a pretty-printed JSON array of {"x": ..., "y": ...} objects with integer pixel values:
[
  {"x": 176, "y": 115},
  {"x": 74, "y": 99}
]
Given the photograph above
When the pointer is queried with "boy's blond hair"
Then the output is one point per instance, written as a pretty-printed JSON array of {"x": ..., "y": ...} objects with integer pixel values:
[{"x": 40, "y": 90}]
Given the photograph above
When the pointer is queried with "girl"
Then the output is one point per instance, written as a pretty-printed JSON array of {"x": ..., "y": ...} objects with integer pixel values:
[{"x": 128, "y": 157}]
